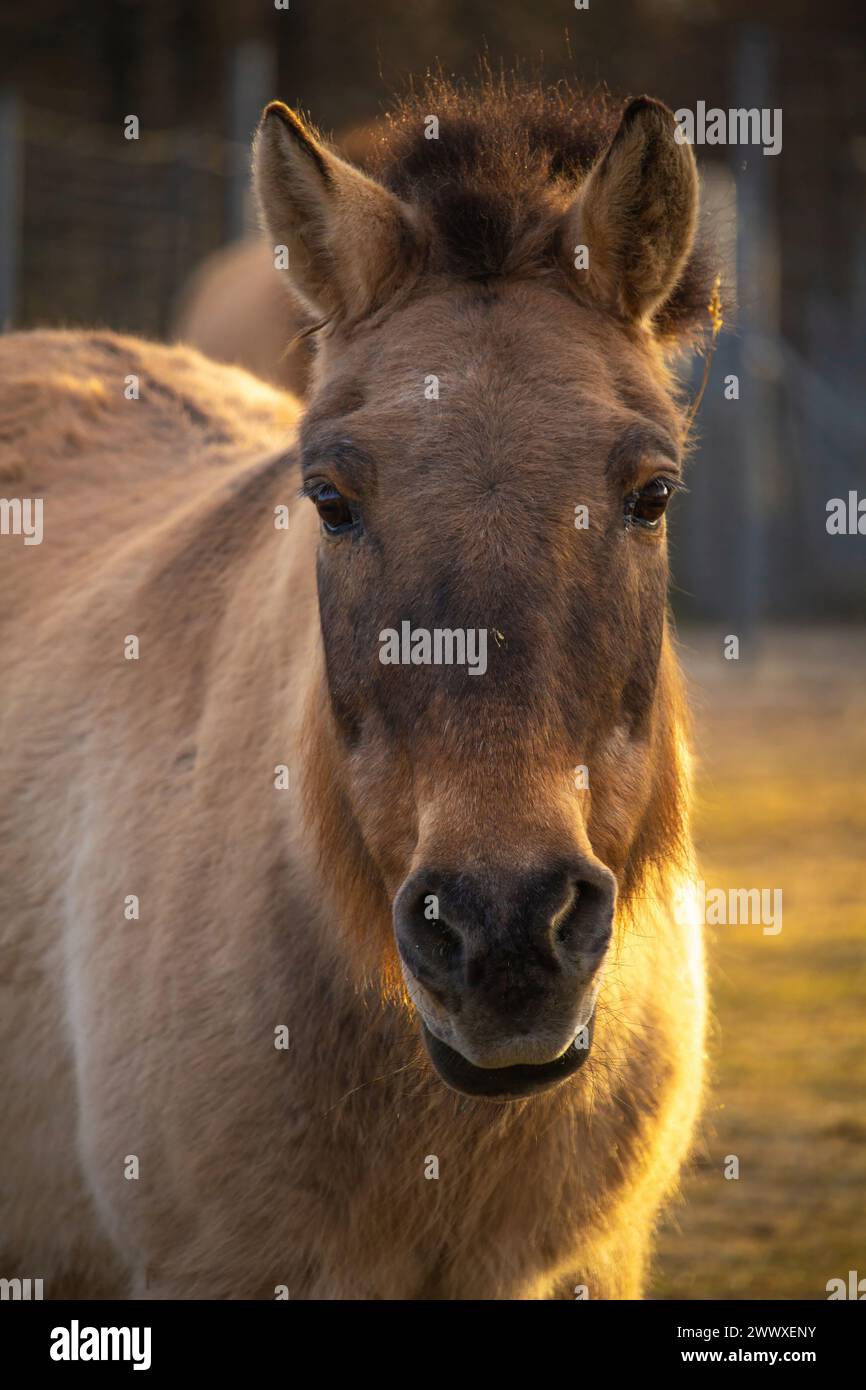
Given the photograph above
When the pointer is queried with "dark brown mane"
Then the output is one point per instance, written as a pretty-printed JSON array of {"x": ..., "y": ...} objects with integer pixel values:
[{"x": 508, "y": 158}]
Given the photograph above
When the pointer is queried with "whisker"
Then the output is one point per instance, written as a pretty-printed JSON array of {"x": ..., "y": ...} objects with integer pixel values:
[{"x": 386, "y": 1076}]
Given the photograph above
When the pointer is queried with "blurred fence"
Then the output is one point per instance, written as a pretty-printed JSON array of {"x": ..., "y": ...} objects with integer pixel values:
[
  {"x": 146, "y": 211},
  {"x": 750, "y": 540}
]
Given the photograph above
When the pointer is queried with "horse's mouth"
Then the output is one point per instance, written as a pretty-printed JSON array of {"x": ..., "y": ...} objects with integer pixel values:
[{"x": 506, "y": 1083}]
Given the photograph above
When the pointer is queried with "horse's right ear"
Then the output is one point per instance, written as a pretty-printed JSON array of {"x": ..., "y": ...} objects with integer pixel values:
[
  {"x": 636, "y": 214},
  {"x": 348, "y": 241}
]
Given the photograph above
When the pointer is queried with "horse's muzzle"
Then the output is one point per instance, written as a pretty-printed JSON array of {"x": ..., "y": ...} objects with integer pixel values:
[{"x": 504, "y": 971}]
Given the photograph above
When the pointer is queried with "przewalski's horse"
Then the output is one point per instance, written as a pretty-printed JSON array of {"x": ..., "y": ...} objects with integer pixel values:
[{"x": 324, "y": 972}]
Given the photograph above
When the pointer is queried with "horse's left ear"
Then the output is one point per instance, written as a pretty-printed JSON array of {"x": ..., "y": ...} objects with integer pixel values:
[
  {"x": 636, "y": 214},
  {"x": 348, "y": 242}
]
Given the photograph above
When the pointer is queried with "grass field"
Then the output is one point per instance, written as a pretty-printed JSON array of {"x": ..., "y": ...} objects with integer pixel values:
[{"x": 781, "y": 744}]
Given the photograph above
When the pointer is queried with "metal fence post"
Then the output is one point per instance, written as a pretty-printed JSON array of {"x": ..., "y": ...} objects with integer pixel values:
[
  {"x": 252, "y": 80},
  {"x": 10, "y": 200}
]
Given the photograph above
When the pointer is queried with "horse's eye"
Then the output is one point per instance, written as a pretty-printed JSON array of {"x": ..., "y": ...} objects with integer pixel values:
[
  {"x": 336, "y": 513},
  {"x": 647, "y": 506}
]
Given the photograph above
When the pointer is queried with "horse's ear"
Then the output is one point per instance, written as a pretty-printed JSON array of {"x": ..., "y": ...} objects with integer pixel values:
[
  {"x": 636, "y": 213},
  {"x": 346, "y": 242}
]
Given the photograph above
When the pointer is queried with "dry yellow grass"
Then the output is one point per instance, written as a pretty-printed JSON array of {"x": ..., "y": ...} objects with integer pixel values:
[{"x": 781, "y": 743}]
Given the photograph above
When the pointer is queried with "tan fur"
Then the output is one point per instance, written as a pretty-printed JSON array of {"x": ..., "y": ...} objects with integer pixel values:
[{"x": 262, "y": 908}]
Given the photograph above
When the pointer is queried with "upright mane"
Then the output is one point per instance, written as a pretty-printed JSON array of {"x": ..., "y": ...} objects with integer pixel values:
[{"x": 507, "y": 159}]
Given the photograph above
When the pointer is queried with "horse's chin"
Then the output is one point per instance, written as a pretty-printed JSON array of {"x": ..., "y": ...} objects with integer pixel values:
[{"x": 505, "y": 1083}]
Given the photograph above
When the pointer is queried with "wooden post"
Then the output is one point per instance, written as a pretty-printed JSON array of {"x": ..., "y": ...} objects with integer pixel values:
[
  {"x": 252, "y": 81},
  {"x": 753, "y": 465},
  {"x": 10, "y": 199}
]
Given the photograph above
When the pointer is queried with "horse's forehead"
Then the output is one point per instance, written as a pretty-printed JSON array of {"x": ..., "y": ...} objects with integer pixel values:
[
  {"x": 484, "y": 387},
  {"x": 521, "y": 332},
  {"x": 524, "y": 366}
]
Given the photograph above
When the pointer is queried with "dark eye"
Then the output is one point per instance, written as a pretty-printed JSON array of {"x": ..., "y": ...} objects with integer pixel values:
[
  {"x": 647, "y": 506},
  {"x": 336, "y": 513}
]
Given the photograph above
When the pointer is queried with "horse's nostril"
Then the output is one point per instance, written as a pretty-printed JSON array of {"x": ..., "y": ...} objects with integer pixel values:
[
  {"x": 565, "y": 927},
  {"x": 446, "y": 941},
  {"x": 586, "y": 923},
  {"x": 431, "y": 946}
]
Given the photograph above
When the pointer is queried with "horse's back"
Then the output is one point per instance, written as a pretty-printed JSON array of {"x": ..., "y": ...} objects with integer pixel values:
[{"x": 108, "y": 434}]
